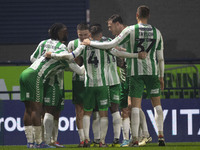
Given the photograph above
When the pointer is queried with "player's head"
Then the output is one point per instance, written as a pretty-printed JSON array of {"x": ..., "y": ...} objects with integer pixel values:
[
  {"x": 143, "y": 12},
  {"x": 96, "y": 31},
  {"x": 58, "y": 31},
  {"x": 115, "y": 24},
  {"x": 83, "y": 31}
]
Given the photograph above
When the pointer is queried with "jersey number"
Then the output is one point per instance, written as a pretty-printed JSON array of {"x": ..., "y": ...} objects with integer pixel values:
[
  {"x": 141, "y": 41},
  {"x": 93, "y": 59}
]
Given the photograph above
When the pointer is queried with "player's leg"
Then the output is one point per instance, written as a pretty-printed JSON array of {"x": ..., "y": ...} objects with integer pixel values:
[
  {"x": 114, "y": 109},
  {"x": 28, "y": 125},
  {"x": 51, "y": 94},
  {"x": 145, "y": 137},
  {"x": 89, "y": 105},
  {"x": 153, "y": 90},
  {"x": 103, "y": 104},
  {"x": 79, "y": 122},
  {"x": 117, "y": 123},
  {"x": 33, "y": 91},
  {"x": 77, "y": 99},
  {"x": 48, "y": 123},
  {"x": 125, "y": 127},
  {"x": 96, "y": 127},
  {"x": 60, "y": 107},
  {"x": 54, "y": 137},
  {"x": 103, "y": 127},
  {"x": 86, "y": 127},
  {"x": 125, "y": 113},
  {"x": 136, "y": 85},
  {"x": 158, "y": 114},
  {"x": 36, "y": 120}
]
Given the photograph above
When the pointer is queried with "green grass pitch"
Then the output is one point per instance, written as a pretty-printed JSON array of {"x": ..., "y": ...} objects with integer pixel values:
[{"x": 151, "y": 146}]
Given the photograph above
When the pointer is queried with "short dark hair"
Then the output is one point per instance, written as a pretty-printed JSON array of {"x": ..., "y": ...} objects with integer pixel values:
[
  {"x": 143, "y": 11},
  {"x": 116, "y": 18},
  {"x": 82, "y": 26},
  {"x": 95, "y": 29},
  {"x": 54, "y": 29}
]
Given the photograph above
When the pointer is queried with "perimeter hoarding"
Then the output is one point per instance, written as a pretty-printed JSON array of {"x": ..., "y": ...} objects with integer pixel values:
[{"x": 181, "y": 122}]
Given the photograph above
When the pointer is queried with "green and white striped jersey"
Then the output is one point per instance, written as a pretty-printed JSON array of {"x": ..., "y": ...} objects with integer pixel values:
[
  {"x": 113, "y": 77},
  {"x": 45, "y": 46},
  {"x": 139, "y": 37},
  {"x": 123, "y": 71},
  {"x": 72, "y": 46},
  {"x": 96, "y": 66},
  {"x": 48, "y": 67}
]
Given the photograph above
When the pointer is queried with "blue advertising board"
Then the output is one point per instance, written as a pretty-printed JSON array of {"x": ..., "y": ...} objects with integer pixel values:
[{"x": 181, "y": 122}]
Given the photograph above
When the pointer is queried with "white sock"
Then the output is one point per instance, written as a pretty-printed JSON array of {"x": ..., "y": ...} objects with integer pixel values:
[
  {"x": 29, "y": 134},
  {"x": 143, "y": 124},
  {"x": 159, "y": 119},
  {"x": 103, "y": 128},
  {"x": 42, "y": 126},
  {"x": 126, "y": 128},
  {"x": 48, "y": 127},
  {"x": 96, "y": 125},
  {"x": 140, "y": 133},
  {"x": 37, "y": 133},
  {"x": 86, "y": 126},
  {"x": 135, "y": 122},
  {"x": 54, "y": 137},
  {"x": 81, "y": 134},
  {"x": 117, "y": 124}
]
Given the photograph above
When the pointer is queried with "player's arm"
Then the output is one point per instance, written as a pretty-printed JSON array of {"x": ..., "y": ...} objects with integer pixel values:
[
  {"x": 74, "y": 67},
  {"x": 161, "y": 63},
  {"x": 70, "y": 46},
  {"x": 120, "y": 39},
  {"x": 66, "y": 55},
  {"x": 37, "y": 53},
  {"x": 123, "y": 54}
]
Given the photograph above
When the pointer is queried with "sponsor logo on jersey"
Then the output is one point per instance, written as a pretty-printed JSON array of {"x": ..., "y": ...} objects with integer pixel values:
[
  {"x": 154, "y": 91},
  {"x": 116, "y": 97},
  {"x": 27, "y": 95},
  {"x": 104, "y": 102},
  {"x": 47, "y": 100}
]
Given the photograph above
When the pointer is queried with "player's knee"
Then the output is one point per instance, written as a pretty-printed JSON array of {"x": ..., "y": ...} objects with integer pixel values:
[{"x": 114, "y": 108}]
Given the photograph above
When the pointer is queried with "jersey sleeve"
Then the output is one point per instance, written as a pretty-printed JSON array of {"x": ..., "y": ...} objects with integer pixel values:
[
  {"x": 160, "y": 57},
  {"x": 61, "y": 55},
  {"x": 37, "y": 53},
  {"x": 160, "y": 44},
  {"x": 70, "y": 46},
  {"x": 120, "y": 39},
  {"x": 123, "y": 54},
  {"x": 74, "y": 67}
]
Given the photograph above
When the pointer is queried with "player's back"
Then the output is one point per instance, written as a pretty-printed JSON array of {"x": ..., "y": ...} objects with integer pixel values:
[
  {"x": 96, "y": 67},
  {"x": 47, "y": 67},
  {"x": 143, "y": 37}
]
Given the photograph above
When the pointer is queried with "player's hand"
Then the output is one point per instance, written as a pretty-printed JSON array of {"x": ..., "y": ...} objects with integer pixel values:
[
  {"x": 142, "y": 55},
  {"x": 86, "y": 42},
  {"x": 70, "y": 50},
  {"x": 48, "y": 54},
  {"x": 161, "y": 83}
]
